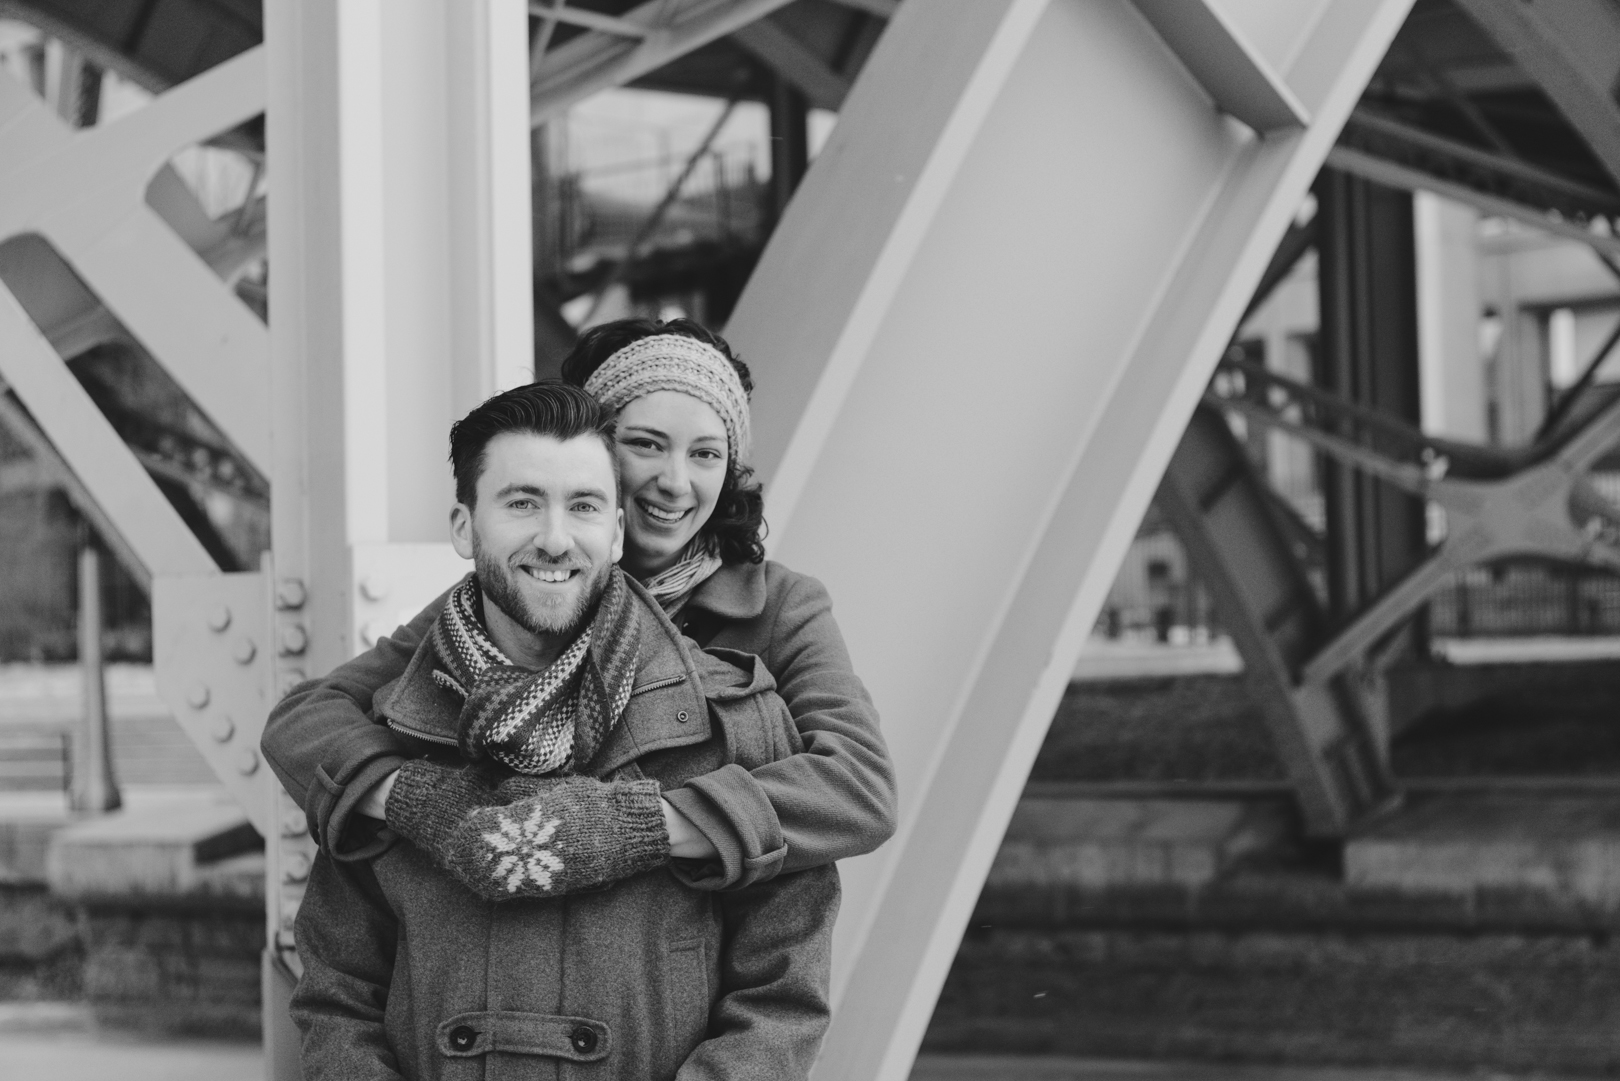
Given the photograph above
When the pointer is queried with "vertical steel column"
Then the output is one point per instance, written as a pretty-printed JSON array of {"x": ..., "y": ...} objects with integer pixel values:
[
  {"x": 400, "y": 238},
  {"x": 1368, "y": 354},
  {"x": 790, "y": 141},
  {"x": 94, "y": 786}
]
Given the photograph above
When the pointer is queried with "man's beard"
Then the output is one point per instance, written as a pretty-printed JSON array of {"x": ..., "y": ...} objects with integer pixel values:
[{"x": 498, "y": 581}]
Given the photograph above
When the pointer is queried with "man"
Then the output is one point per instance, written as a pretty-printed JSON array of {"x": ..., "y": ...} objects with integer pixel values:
[{"x": 572, "y": 701}]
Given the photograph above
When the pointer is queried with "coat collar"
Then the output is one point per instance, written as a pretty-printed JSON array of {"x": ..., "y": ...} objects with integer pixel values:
[
  {"x": 418, "y": 706},
  {"x": 735, "y": 591}
]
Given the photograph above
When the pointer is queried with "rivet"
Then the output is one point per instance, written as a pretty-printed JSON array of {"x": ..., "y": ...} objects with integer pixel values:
[
  {"x": 219, "y": 617},
  {"x": 244, "y": 650},
  {"x": 222, "y": 729},
  {"x": 197, "y": 697},
  {"x": 293, "y": 824},
  {"x": 373, "y": 587},
  {"x": 296, "y": 869},
  {"x": 294, "y": 640},
  {"x": 247, "y": 763},
  {"x": 290, "y": 593},
  {"x": 291, "y": 678}
]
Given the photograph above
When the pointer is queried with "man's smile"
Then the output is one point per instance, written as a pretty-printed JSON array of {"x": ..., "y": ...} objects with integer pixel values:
[{"x": 550, "y": 574}]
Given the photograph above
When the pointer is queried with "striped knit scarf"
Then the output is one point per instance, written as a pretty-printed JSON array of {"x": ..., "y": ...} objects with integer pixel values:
[
  {"x": 537, "y": 722},
  {"x": 672, "y": 587}
]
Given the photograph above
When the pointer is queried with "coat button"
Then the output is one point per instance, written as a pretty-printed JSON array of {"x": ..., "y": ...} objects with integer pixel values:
[
  {"x": 583, "y": 1039},
  {"x": 462, "y": 1037},
  {"x": 681, "y": 716}
]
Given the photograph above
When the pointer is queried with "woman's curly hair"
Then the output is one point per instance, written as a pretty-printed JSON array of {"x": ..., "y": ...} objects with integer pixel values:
[{"x": 737, "y": 526}]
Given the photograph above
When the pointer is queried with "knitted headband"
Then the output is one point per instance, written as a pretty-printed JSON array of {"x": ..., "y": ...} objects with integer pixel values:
[{"x": 676, "y": 362}]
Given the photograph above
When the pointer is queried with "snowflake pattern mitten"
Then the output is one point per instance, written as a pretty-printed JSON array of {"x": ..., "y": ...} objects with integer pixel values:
[
  {"x": 566, "y": 834},
  {"x": 430, "y": 800}
]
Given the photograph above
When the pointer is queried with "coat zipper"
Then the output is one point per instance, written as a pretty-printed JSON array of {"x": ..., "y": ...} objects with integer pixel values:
[
  {"x": 668, "y": 681},
  {"x": 415, "y": 734}
]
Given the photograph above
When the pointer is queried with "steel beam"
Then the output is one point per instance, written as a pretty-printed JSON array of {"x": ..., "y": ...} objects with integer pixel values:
[
  {"x": 979, "y": 332},
  {"x": 1398, "y": 175},
  {"x": 86, "y": 194},
  {"x": 1323, "y": 733},
  {"x": 793, "y": 61},
  {"x": 1571, "y": 48},
  {"x": 1240, "y": 80},
  {"x": 141, "y": 520},
  {"x": 600, "y": 60}
]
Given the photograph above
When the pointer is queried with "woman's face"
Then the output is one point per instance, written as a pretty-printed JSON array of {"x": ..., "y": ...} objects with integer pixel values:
[{"x": 672, "y": 459}]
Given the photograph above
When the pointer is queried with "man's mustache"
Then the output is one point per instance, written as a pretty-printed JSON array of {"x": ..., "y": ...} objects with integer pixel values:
[{"x": 541, "y": 559}]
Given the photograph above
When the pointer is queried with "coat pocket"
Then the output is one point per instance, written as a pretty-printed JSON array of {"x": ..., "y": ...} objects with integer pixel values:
[
  {"x": 688, "y": 992},
  {"x": 745, "y": 707}
]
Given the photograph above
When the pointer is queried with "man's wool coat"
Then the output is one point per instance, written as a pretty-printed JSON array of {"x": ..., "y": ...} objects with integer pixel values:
[{"x": 409, "y": 974}]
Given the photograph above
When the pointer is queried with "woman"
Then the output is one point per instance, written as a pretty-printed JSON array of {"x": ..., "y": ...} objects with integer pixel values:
[{"x": 693, "y": 526}]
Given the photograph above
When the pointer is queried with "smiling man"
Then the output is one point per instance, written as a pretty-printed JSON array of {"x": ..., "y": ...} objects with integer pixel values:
[{"x": 551, "y": 704}]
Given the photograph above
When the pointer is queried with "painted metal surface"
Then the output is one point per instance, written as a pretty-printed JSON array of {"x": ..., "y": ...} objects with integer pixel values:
[
  {"x": 212, "y": 663},
  {"x": 599, "y": 61},
  {"x": 1571, "y": 48},
  {"x": 400, "y": 133},
  {"x": 1324, "y": 733},
  {"x": 978, "y": 333}
]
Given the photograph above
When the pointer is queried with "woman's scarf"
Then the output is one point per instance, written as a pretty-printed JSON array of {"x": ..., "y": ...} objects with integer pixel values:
[
  {"x": 672, "y": 587},
  {"x": 537, "y": 722}
]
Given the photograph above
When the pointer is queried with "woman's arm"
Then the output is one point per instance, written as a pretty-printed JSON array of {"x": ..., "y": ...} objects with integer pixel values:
[
  {"x": 322, "y": 743},
  {"x": 837, "y": 798}
]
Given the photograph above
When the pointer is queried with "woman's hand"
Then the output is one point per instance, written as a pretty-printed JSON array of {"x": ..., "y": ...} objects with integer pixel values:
[{"x": 686, "y": 842}]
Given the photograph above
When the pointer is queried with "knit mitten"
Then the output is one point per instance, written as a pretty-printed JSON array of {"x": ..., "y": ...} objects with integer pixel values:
[
  {"x": 430, "y": 800},
  {"x": 567, "y": 834}
]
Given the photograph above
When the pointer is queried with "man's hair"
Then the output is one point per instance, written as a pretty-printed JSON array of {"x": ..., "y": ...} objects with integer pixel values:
[
  {"x": 737, "y": 526},
  {"x": 548, "y": 407}
]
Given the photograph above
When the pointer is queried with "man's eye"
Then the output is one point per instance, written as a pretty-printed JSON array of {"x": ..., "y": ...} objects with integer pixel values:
[
  {"x": 521, "y": 504},
  {"x": 586, "y": 508}
]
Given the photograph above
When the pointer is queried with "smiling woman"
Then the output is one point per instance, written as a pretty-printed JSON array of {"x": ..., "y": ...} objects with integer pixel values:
[{"x": 693, "y": 522}]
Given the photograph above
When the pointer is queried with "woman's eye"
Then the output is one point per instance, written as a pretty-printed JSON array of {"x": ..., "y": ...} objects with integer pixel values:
[{"x": 708, "y": 454}]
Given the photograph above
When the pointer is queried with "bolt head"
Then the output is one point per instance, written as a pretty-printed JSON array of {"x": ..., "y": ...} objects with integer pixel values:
[
  {"x": 244, "y": 650},
  {"x": 247, "y": 763},
  {"x": 374, "y": 587},
  {"x": 294, "y": 640},
  {"x": 296, "y": 867},
  {"x": 219, "y": 617},
  {"x": 290, "y": 593},
  {"x": 222, "y": 729},
  {"x": 197, "y": 696}
]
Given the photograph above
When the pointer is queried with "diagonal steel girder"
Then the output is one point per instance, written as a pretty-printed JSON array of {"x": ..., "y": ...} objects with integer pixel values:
[
  {"x": 979, "y": 333},
  {"x": 1571, "y": 48},
  {"x": 652, "y": 35},
  {"x": 1324, "y": 732},
  {"x": 85, "y": 193}
]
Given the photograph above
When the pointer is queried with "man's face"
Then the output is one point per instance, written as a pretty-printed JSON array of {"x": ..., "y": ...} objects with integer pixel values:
[{"x": 545, "y": 531}]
